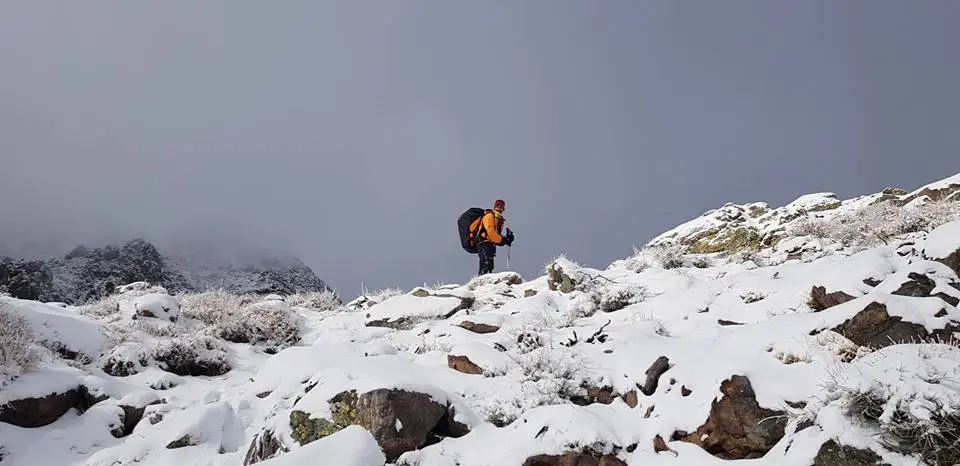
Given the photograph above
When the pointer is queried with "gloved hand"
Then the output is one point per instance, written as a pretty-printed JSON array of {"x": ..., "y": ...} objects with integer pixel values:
[{"x": 508, "y": 239}]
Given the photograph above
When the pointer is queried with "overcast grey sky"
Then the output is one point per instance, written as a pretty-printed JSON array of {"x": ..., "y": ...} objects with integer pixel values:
[{"x": 354, "y": 133}]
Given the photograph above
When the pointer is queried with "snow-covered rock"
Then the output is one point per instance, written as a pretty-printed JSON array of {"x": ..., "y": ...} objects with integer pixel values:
[{"x": 157, "y": 306}]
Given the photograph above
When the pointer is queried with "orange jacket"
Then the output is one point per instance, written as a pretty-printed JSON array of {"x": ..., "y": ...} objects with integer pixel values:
[{"x": 490, "y": 224}]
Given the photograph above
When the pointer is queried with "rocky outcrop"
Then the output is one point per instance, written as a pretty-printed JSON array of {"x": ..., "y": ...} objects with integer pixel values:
[
  {"x": 463, "y": 364},
  {"x": 875, "y": 328},
  {"x": 922, "y": 286},
  {"x": 738, "y": 428},
  {"x": 403, "y": 421},
  {"x": 399, "y": 420},
  {"x": 821, "y": 300},
  {"x": 559, "y": 279},
  {"x": 86, "y": 275},
  {"x": 833, "y": 454},
  {"x": 38, "y": 412},
  {"x": 575, "y": 459},
  {"x": 265, "y": 445}
]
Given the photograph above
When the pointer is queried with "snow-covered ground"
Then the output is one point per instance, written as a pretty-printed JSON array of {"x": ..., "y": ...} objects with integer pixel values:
[{"x": 666, "y": 357}]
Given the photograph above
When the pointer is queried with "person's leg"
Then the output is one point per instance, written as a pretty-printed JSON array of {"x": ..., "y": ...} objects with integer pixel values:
[{"x": 486, "y": 251}]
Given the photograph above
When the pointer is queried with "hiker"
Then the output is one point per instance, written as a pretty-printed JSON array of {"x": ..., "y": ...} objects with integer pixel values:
[{"x": 490, "y": 235}]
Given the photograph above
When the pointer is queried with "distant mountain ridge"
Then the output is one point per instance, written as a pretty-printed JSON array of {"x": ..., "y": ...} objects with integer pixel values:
[{"x": 86, "y": 274}]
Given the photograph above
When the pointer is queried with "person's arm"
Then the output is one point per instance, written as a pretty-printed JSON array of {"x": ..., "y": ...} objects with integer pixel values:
[{"x": 490, "y": 225}]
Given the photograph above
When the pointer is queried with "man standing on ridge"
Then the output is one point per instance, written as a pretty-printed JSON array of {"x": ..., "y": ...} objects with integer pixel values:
[{"x": 489, "y": 235}]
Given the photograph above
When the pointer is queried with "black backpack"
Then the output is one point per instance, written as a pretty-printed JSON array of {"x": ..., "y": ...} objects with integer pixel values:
[{"x": 463, "y": 226}]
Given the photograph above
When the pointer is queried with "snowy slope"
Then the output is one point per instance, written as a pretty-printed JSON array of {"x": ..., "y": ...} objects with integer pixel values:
[{"x": 507, "y": 371}]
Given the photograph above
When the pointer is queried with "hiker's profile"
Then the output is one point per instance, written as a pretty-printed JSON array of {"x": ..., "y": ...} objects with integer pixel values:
[{"x": 481, "y": 231}]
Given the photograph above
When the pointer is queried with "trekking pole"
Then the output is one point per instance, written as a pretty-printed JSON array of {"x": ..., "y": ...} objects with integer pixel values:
[{"x": 508, "y": 257}]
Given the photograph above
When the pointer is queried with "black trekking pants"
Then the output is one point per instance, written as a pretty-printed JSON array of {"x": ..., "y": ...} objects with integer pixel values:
[{"x": 486, "y": 252}]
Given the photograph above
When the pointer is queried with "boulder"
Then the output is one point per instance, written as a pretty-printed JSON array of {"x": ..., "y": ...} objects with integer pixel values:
[
  {"x": 922, "y": 286},
  {"x": 265, "y": 445},
  {"x": 875, "y": 328},
  {"x": 399, "y": 420},
  {"x": 558, "y": 279},
  {"x": 943, "y": 245},
  {"x": 833, "y": 454},
  {"x": 38, "y": 412},
  {"x": 738, "y": 428},
  {"x": 403, "y": 421},
  {"x": 478, "y": 328},
  {"x": 820, "y": 299},
  {"x": 653, "y": 375},
  {"x": 463, "y": 364}
]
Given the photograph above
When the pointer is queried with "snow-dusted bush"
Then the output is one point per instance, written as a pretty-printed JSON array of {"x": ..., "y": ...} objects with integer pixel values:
[
  {"x": 125, "y": 359},
  {"x": 906, "y": 393},
  {"x": 878, "y": 223},
  {"x": 17, "y": 351},
  {"x": 271, "y": 322},
  {"x": 668, "y": 256},
  {"x": 212, "y": 307},
  {"x": 548, "y": 376},
  {"x": 317, "y": 301},
  {"x": 192, "y": 355}
]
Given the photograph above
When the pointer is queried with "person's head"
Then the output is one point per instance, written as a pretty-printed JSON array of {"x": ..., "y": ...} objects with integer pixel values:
[{"x": 499, "y": 205}]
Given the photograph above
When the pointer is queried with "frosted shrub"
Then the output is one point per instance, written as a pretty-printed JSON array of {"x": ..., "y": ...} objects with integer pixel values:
[
  {"x": 877, "y": 224},
  {"x": 905, "y": 393},
  {"x": 809, "y": 226},
  {"x": 17, "y": 352},
  {"x": 322, "y": 301},
  {"x": 192, "y": 355},
  {"x": 547, "y": 377},
  {"x": 271, "y": 323},
  {"x": 106, "y": 306},
  {"x": 212, "y": 307},
  {"x": 668, "y": 256}
]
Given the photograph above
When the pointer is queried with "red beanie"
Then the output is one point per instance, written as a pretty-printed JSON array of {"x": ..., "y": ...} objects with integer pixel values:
[{"x": 499, "y": 204}]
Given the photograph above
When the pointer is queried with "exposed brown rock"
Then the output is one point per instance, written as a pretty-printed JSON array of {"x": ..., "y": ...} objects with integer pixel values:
[
  {"x": 738, "y": 428},
  {"x": 630, "y": 398},
  {"x": 407, "y": 322},
  {"x": 379, "y": 410},
  {"x": 940, "y": 194},
  {"x": 603, "y": 395},
  {"x": 557, "y": 279},
  {"x": 820, "y": 299},
  {"x": 833, "y": 454},
  {"x": 574, "y": 459},
  {"x": 660, "y": 445},
  {"x": 875, "y": 328},
  {"x": 922, "y": 286},
  {"x": 264, "y": 446},
  {"x": 38, "y": 412},
  {"x": 478, "y": 328},
  {"x": 871, "y": 282},
  {"x": 661, "y": 365},
  {"x": 463, "y": 364}
]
